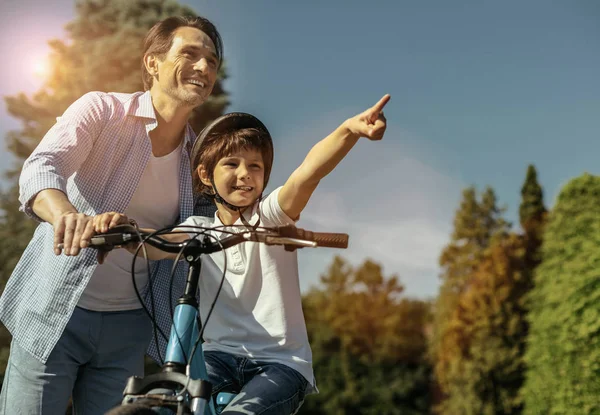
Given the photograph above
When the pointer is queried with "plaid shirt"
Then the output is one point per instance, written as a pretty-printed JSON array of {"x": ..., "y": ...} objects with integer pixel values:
[{"x": 96, "y": 154}]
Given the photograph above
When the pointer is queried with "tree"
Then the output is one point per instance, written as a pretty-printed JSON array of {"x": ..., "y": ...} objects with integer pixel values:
[
  {"x": 563, "y": 354},
  {"x": 487, "y": 330},
  {"x": 369, "y": 344},
  {"x": 102, "y": 52},
  {"x": 486, "y": 335},
  {"x": 477, "y": 224},
  {"x": 532, "y": 211},
  {"x": 532, "y": 216}
]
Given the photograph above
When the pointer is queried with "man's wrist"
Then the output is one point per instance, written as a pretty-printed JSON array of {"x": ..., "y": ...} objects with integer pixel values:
[{"x": 51, "y": 205}]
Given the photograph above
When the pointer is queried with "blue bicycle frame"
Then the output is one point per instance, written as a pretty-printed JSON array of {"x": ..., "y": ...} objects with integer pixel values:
[
  {"x": 180, "y": 386},
  {"x": 183, "y": 342}
]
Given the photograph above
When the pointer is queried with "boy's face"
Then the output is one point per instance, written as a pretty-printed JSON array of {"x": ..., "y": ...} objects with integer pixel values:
[{"x": 239, "y": 178}]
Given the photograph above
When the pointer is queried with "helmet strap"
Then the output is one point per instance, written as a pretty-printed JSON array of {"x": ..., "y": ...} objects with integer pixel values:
[{"x": 219, "y": 199}]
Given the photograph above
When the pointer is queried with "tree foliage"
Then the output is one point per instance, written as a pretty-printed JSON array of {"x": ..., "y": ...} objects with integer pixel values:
[
  {"x": 477, "y": 224},
  {"x": 563, "y": 355},
  {"x": 485, "y": 340},
  {"x": 369, "y": 344}
]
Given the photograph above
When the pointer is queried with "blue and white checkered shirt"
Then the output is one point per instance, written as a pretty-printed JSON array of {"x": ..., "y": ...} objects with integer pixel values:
[{"x": 96, "y": 154}]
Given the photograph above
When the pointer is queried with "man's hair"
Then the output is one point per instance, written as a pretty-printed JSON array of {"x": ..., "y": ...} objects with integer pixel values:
[
  {"x": 217, "y": 146},
  {"x": 159, "y": 39}
]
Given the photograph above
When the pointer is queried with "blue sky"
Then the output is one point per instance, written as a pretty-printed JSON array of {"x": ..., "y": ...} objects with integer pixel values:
[{"x": 479, "y": 91}]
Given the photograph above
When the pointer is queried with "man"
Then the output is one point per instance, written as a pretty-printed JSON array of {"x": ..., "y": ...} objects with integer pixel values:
[{"x": 78, "y": 327}]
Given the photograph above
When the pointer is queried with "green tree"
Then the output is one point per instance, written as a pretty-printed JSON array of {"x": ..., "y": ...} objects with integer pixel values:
[
  {"x": 563, "y": 353},
  {"x": 477, "y": 224},
  {"x": 369, "y": 344},
  {"x": 102, "y": 52},
  {"x": 532, "y": 217}
]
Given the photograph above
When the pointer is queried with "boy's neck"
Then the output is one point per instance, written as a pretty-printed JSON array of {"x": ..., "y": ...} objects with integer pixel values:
[{"x": 228, "y": 216}]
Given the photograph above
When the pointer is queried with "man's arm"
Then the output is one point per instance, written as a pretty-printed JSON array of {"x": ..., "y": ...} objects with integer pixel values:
[
  {"x": 60, "y": 154},
  {"x": 327, "y": 154},
  {"x": 71, "y": 228}
]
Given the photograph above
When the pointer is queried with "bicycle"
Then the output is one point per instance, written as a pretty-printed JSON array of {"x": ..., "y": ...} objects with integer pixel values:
[{"x": 182, "y": 384}]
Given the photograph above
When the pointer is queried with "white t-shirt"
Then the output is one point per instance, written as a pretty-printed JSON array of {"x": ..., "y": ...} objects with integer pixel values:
[
  {"x": 155, "y": 204},
  {"x": 259, "y": 311}
]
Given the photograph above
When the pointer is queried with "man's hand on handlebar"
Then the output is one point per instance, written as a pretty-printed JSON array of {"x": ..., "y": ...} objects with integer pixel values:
[
  {"x": 104, "y": 222},
  {"x": 72, "y": 231},
  {"x": 108, "y": 220}
]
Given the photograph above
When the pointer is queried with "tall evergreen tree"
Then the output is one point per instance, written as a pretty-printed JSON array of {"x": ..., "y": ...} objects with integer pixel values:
[
  {"x": 532, "y": 216},
  {"x": 102, "y": 51},
  {"x": 563, "y": 353},
  {"x": 532, "y": 210},
  {"x": 476, "y": 225},
  {"x": 486, "y": 336}
]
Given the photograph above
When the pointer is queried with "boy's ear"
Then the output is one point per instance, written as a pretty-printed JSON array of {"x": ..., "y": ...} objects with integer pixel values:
[{"x": 203, "y": 175}]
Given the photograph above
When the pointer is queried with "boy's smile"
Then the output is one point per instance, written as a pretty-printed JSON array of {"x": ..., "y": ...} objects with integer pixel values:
[{"x": 239, "y": 178}]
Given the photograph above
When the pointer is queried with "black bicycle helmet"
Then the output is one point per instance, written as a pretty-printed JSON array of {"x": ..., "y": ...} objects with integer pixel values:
[{"x": 225, "y": 124}]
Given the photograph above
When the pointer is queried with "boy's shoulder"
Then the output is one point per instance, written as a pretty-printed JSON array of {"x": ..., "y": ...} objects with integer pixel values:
[{"x": 271, "y": 213}]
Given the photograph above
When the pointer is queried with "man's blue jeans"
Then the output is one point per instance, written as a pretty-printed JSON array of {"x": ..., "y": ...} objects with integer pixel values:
[
  {"x": 91, "y": 362},
  {"x": 264, "y": 388}
]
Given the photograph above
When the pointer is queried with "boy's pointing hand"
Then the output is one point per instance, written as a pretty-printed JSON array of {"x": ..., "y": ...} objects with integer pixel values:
[{"x": 370, "y": 123}]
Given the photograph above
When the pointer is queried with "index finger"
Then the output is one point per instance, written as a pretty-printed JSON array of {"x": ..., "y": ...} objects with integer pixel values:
[{"x": 381, "y": 103}]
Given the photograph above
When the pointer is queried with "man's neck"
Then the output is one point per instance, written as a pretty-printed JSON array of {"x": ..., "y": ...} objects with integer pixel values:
[{"x": 171, "y": 120}]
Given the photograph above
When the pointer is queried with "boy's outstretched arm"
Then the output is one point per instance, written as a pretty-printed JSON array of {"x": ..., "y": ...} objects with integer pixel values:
[{"x": 327, "y": 153}]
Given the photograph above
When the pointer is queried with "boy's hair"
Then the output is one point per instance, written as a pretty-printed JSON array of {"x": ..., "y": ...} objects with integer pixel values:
[
  {"x": 218, "y": 145},
  {"x": 159, "y": 39}
]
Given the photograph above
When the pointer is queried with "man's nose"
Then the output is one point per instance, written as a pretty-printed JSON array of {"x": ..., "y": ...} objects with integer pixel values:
[{"x": 201, "y": 65}]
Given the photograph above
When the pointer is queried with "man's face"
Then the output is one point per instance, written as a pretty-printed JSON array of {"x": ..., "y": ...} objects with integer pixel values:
[{"x": 188, "y": 72}]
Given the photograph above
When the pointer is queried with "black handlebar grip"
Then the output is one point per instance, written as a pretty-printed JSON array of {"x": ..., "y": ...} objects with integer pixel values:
[
  {"x": 109, "y": 239},
  {"x": 119, "y": 235}
]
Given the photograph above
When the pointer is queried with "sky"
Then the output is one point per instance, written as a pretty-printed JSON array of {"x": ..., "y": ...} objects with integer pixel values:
[{"x": 479, "y": 91}]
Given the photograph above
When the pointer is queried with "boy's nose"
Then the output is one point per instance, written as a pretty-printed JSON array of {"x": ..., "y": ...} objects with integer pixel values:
[{"x": 243, "y": 173}]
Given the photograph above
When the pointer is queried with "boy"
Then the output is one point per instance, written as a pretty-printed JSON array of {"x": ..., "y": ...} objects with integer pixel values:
[{"x": 256, "y": 338}]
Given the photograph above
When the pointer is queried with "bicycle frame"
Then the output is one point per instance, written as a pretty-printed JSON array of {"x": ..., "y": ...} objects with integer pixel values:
[
  {"x": 165, "y": 389},
  {"x": 185, "y": 331}
]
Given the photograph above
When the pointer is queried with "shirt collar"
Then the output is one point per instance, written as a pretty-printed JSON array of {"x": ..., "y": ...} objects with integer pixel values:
[{"x": 140, "y": 105}]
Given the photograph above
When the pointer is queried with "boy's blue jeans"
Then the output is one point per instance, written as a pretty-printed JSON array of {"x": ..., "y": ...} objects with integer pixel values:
[
  {"x": 91, "y": 362},
  {"x": 264, "y": 388}
]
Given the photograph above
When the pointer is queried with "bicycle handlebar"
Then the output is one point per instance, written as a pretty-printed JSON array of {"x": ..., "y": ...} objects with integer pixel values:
[{"x": 289, "y": 236}]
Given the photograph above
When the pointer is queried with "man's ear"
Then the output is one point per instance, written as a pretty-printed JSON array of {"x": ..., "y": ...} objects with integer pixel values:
[
  {"x": 151, "y": 64},
  {"x": 203, "y": 175}
]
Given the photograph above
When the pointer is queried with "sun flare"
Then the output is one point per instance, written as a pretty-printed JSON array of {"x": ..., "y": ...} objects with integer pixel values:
[{"x": 41, "y": 67}]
